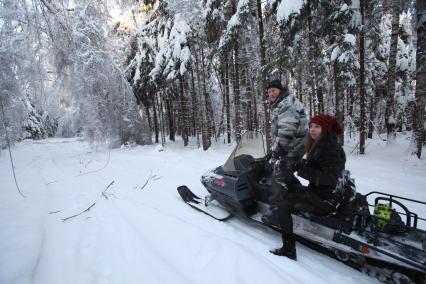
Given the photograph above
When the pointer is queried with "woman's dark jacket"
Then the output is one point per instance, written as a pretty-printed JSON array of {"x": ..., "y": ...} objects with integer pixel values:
[{"x": 324, "y": 168}]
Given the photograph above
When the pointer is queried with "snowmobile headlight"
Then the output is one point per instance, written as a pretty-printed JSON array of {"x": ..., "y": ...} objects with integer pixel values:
[{"x": 219, "y": 182}]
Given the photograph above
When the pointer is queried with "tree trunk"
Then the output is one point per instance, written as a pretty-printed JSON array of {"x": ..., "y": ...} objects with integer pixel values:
[
  {"x": 313, "y": 51},
  {"x": 183, "y": 113},
  {"x": 237, "y": 94},
  {"x": 170, "y": 115},
  {"x": 255, "y": 120},
  {"x": 228, "y": 104},
  {"x": 370, "y": 123},
  {"x": 264, "y": 97},
  {"x": 201, "y": 113},
  {"x": 154, "y": 107},
  {"x": 148, "y": 115},
  {"x": 310, "y": 57},
  {"x": 161, "y": 117},
  {"x": 223, "y": 110},
  {"x": 362, "y": 81},
  {"x": 320, "y": 98},
  {"x": 419, "y": 110},
  {"x": 249, "y": 102},
  {"x": 390, "y": 119},
  {"x": 339, "y": 100},
  {"x": 207, "y": 126},
  {"x": 300, "y": 85},
  {"x": 194, "y": 115},
  {"x": 351, "y": 112}
]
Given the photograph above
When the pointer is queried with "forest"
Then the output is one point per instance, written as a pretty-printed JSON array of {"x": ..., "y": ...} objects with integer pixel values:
[{"x": 140, "y": 72}]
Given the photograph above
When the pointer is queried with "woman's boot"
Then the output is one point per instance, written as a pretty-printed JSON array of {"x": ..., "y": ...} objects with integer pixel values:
[{"x": 288, "y": 249}]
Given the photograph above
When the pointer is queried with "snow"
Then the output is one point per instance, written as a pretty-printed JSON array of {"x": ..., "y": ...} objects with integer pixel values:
[
  {"x": 175, "y": 53},
  {"x": 234, "y": 23},
  {"x": 345, "y": 56},
  {"x": 404, "y": 60},
  {"x": 335, "y": 53},
  {"x": 356, "y": 17},
  {"x": 350, "y": 39},
  {"x": 344, "y": 7},
  {"x": 146, "y": 234},
  {"x": 287, "y": 7}
]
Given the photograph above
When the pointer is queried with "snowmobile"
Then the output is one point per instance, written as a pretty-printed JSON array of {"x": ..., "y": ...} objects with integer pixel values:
[{"x": 385, "y": 243}]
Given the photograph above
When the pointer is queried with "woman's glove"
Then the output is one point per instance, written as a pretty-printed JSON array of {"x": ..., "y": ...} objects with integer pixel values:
[{"x": 299, "y": 165}]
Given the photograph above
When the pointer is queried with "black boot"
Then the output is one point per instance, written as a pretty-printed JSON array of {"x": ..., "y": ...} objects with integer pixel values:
[{"x": 287, "y": 250}]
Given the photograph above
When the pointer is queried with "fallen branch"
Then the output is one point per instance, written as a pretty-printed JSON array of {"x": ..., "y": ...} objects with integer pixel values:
[
  {"x": 356, "y": 147},
  {"x": 104, "y": 192},
  {"x": 147, "y": 181},
  {"x": 10, "y": 152},
  {"x": 87, "y": 210},
  {"x": 90, "y": 207},
  {"x": 155, "y": 177},
  {"x": 100, "y": 169}
]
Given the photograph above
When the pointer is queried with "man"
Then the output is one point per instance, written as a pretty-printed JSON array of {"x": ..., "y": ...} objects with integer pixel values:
[{"x": 289, "y": 127}]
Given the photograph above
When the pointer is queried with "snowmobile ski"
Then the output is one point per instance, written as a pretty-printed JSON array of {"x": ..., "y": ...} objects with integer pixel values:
[{"x": 200, "y": 204}]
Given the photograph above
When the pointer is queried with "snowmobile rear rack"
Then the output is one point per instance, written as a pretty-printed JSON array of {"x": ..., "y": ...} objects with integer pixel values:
[{"x": 394, "y": 199}]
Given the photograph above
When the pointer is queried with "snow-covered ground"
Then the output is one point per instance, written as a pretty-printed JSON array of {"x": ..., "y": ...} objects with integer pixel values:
[{"x": 140, "y": 231}]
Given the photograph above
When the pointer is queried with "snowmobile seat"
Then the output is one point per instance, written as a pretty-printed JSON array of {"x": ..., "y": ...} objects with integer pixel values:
[{"x": 347, "y": 217}]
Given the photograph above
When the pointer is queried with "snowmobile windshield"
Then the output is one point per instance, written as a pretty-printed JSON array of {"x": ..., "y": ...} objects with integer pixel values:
[{"x": 252, "y": 143}]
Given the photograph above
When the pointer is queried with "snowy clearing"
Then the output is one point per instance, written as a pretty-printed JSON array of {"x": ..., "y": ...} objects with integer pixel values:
[{"x": 149, "y": 235}]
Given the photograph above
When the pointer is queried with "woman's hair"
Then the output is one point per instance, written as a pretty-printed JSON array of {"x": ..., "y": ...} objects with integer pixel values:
[
  {"x": 310, "y": 145},
  {"x": 323, "y": 138}
]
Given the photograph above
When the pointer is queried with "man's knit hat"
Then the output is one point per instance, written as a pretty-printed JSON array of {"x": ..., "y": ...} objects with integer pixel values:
[
  {"x": 275, "y": 84},
  {"x": 328, "y": 123}
]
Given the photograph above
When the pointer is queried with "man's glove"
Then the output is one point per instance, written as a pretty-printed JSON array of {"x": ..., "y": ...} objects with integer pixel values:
[
  {"x": 269, "y": 159},
  {"x": 279, "y": 165},
  {"x": 272, "y": 158},
  {"x": 268, "y": 156}
]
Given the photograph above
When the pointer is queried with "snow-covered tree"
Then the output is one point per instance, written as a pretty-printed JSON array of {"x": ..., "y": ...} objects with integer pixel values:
[
  {"x": 419, "y": 115},
  {"x": 122, "y": 70}
]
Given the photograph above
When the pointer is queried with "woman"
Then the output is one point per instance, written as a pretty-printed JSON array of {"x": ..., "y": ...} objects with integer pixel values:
[{"x": 323, "y": 166}]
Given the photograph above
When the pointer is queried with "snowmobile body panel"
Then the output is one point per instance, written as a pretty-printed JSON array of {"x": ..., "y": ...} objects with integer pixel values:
[
  {"x": 383, "y": 247},
  {"x": 233, "y": 189}
]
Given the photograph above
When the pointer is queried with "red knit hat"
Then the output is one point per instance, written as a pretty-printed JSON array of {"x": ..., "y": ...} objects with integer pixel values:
[{"x": 328, "y": 123}]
